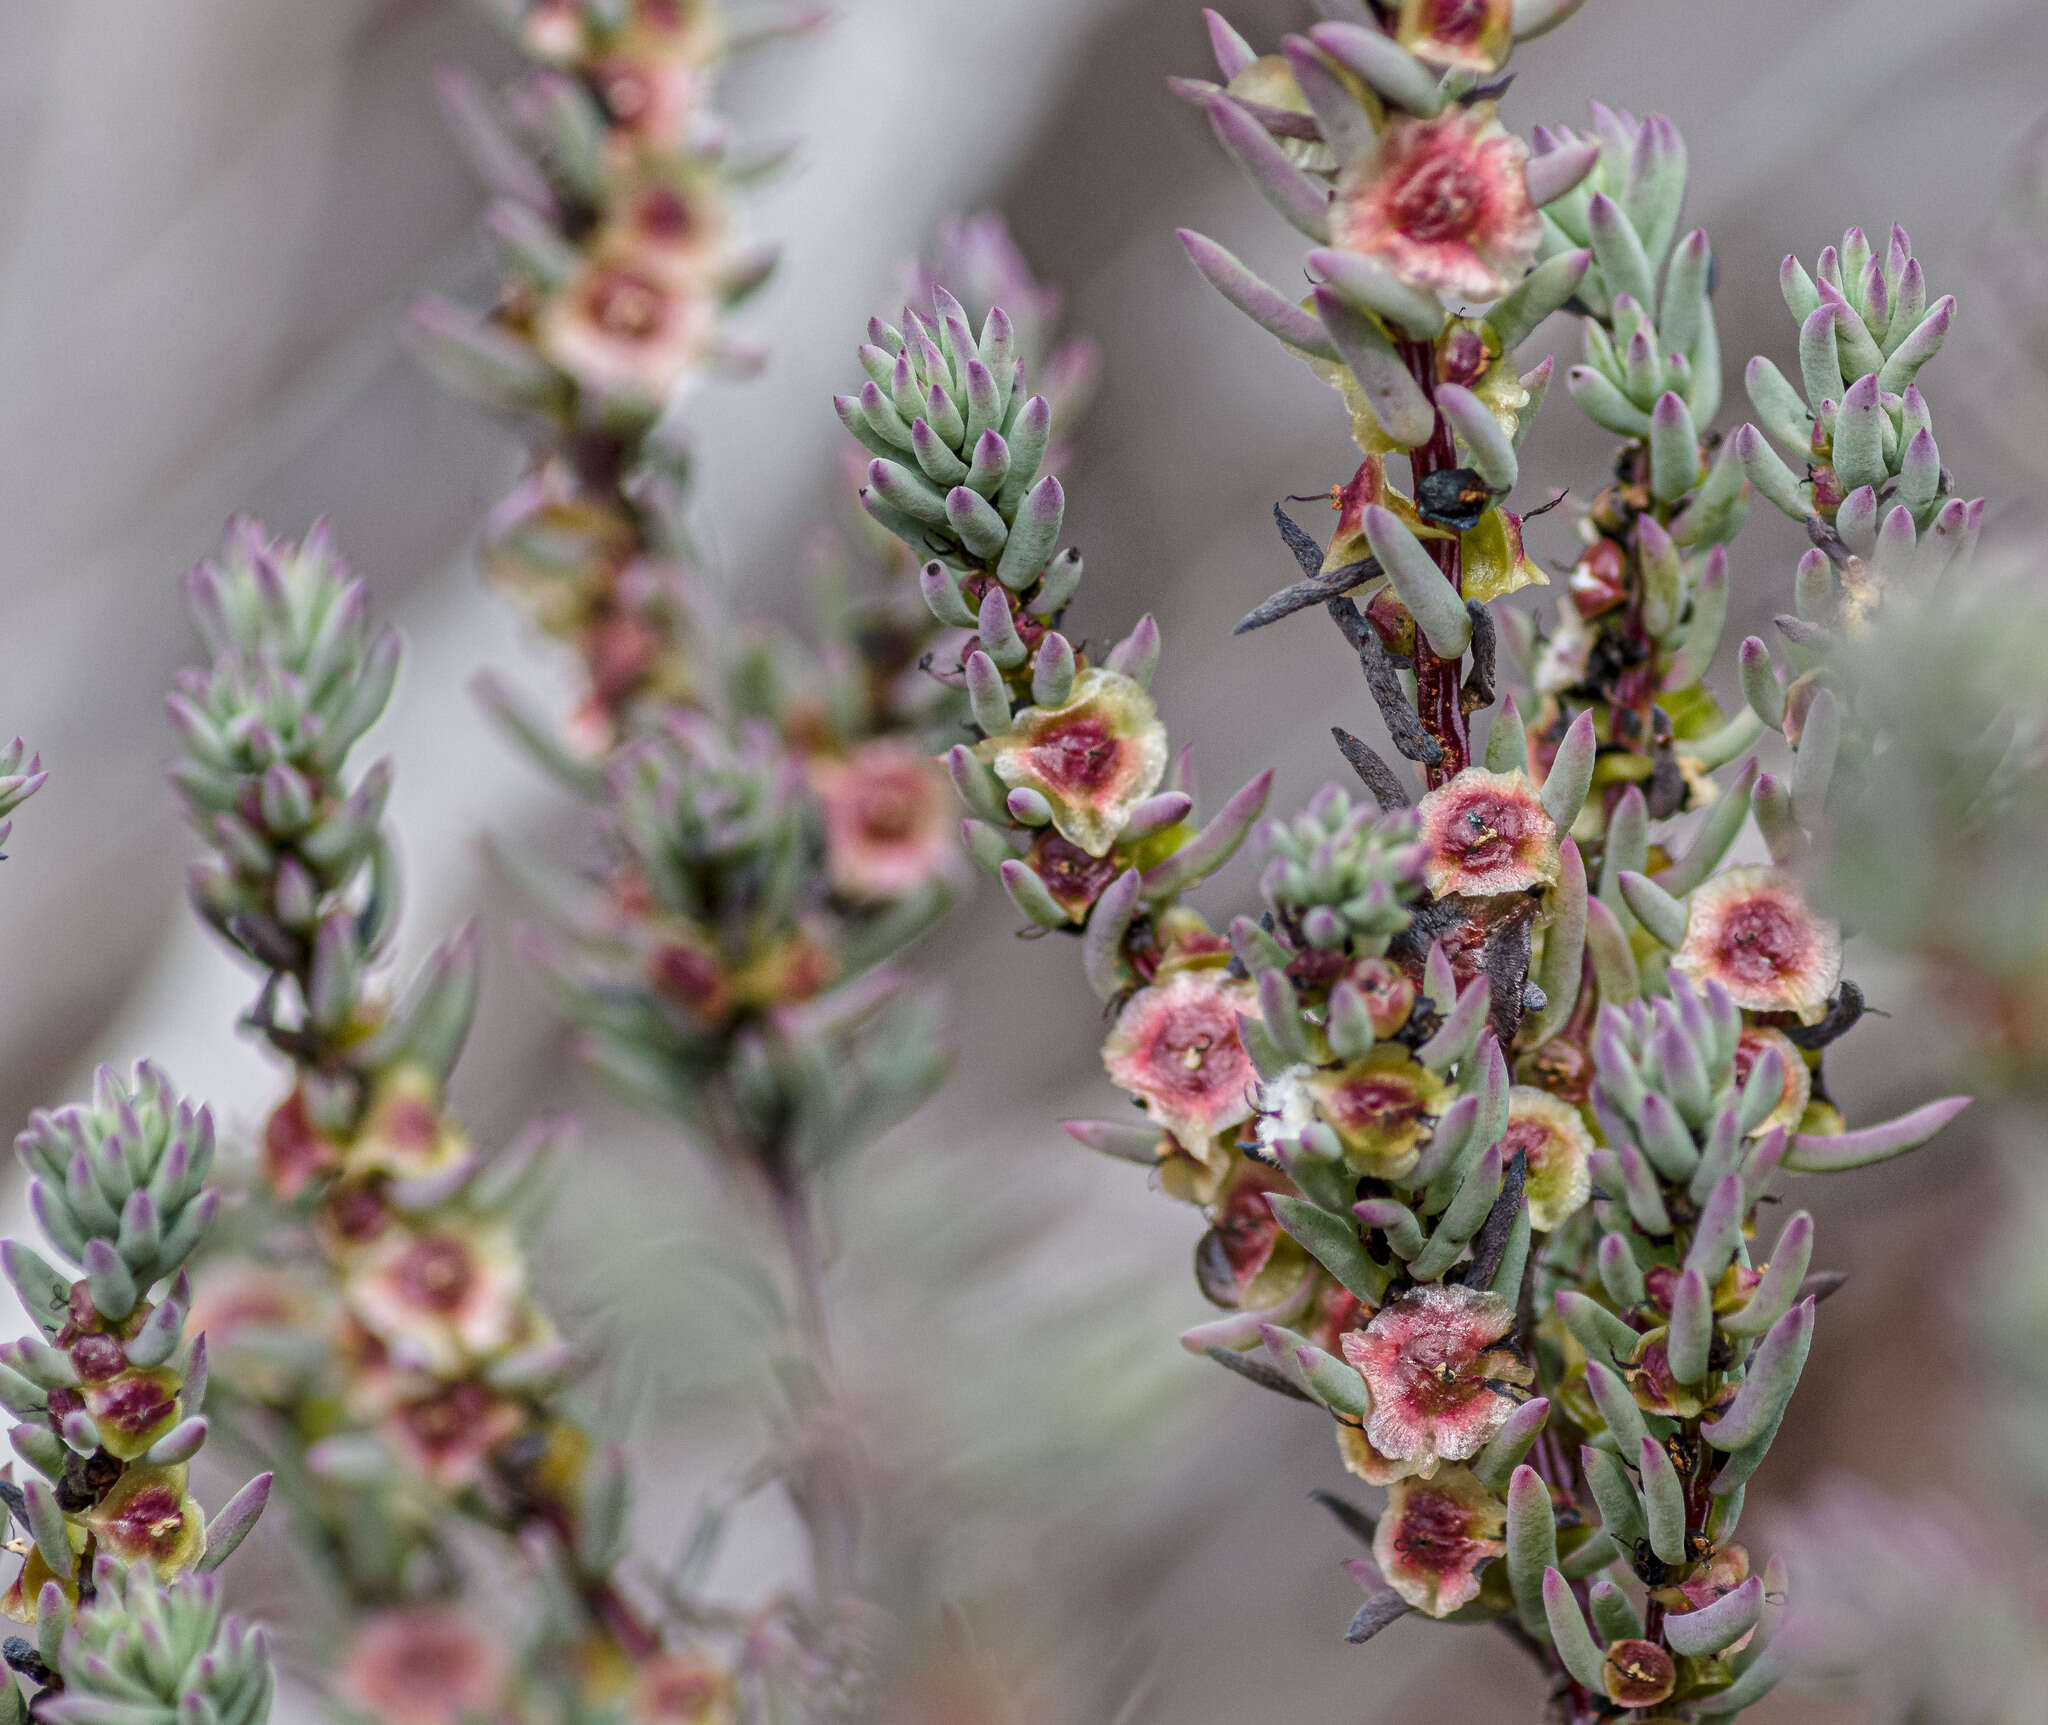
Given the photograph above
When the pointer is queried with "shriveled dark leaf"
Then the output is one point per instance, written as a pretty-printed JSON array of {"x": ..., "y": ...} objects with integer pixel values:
[
  {"x": 1478, "y": 692},
  {"x": 1300, "y": 541},
  {"x": 1505, "y": 959},
  {"x": 1375, "y": 1614},
  {"x": 1380, "y": 778},
  {"x": 1818, "y": 1286},
  {"x": 1383, "y": 680},
  {"x": 1259, "y": 1373},
  {"x": 1491, "y": 1242},
  {"x": 1316, "y": 590}
]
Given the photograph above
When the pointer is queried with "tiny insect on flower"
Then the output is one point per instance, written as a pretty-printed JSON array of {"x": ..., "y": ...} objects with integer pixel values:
[
  {"x": 1485, "y": 833},
  {"x": 1432, "y": 1364},
  {"x": 1638, "y": 1673},
  {"x": 1434, "y": 1538}
]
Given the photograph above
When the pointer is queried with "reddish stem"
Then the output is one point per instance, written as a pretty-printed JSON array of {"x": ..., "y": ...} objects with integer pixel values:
[{"x": 1437, "y": 681}]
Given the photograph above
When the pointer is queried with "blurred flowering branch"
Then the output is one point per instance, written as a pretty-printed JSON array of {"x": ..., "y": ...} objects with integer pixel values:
[
  {"x": 383, "y": 1344},
  {"x": 772, "y": 828}
]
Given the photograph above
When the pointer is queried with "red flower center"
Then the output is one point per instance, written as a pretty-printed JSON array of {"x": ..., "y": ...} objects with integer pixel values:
[
  {"x": 1458, "y": 20},
  {"x": 292, "y": 1152},
  {"x": 1195, "y": 1052},
  {"x": 1080, "y": 755},
  {"x": 1760, "y": 941},
  {"x": 410, "y": 1124},
  {"x": 436, "y": 1274},
  {"x": 442, "y": 1422},
  {"x": 133, "y": 1406},
  {"x": 665, "y": 213},
  {"x": 150, "y": 1522},
  {"x": 691, "y": 976},
  {"x": 98, "y": 1357},
  {"x": 626, "y": 305},
  {"x": 1463, "y": 359},
  {"x": 1373, "y": 1104},
  {"x": 1531, "y": 1137},
  {"x": 435, "y": 1659},
  {"x": 1073, "y": 877},
  {"x": 1439, "y": 200},
  {"x": 1435, "y": 1533}
]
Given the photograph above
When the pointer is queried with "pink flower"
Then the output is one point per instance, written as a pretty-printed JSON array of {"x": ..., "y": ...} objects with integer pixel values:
[
  {"x": 450, "y": 1434},
  {"x": 427, "y": 1665},
  {"x": 1749, "y": 930},
  {"x": 1485, "y": 833},
  {"x": 1434, "y": 1538},
  {"x": 1431, "y": 1364},
  {"x": 621, "y": 329},
  {"x": 1470, "y": 35},
  {"x": 1175, "y": 1046},
  {"x": 1444, "y": 203},
  {"x": 1094, "y": 759},
  {"x": 887, "y": 820},
  {"x": 442, "y": 1297},
  {"x": 404, "y": 1132},
  {"x": 1559, "y": 1150}
]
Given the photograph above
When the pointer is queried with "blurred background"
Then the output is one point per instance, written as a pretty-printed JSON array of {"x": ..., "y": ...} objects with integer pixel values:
[{"x": 212, "y": 214}]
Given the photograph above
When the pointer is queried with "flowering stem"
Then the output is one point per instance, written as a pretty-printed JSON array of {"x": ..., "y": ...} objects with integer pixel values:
[{"x": 1436, "y": 679}]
